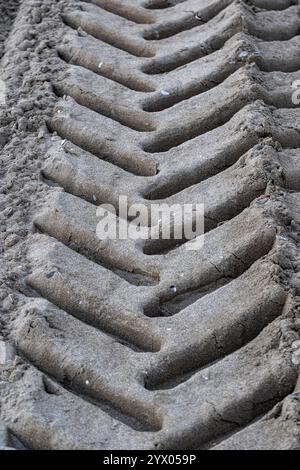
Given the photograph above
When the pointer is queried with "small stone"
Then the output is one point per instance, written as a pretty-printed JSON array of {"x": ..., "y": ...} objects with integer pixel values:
[
  {"x": 51, "y": 274},
  {"x": 12, "y": 240},
  {"x": 26, "y": 105},
  {"x": 25, "y": 45},
  {"x": 3, "y": 435},
  {"x": 205, "y": 377},
  {"x": 36, "y": 16},
  {"x": 283, "y": 237},
  {"x": 22, "y": 124},
  {"x": 164, "y": 93},
  {"x": 173, "y": 289},
  {"x": 8, "y": 302},
  {"x": 258, "y": 147},
  {"x": 42, "y": 45},
  {"x": 296, "y": 359},
  {"x": 8, "y": 212},
  {"x": 7, "y": 352}
]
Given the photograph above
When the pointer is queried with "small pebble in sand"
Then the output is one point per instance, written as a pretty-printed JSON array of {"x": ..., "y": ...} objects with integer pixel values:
[
  {"x": 296, "y": 358},
  {"x": 51, "y": 274},
  {"x": 243, "y": 54},
  {"x": 173, "y": 289},
  {"x": 258, "y": 147},
  {"x": 283, "y": 237},
  {"x": 164, "y": 93},
  {"x": 11, "y": 240},
  {"x": 22, "y": 124}
]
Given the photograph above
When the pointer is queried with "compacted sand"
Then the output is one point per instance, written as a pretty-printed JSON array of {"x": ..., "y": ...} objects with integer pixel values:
[{"x": 123, "y": 344}]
